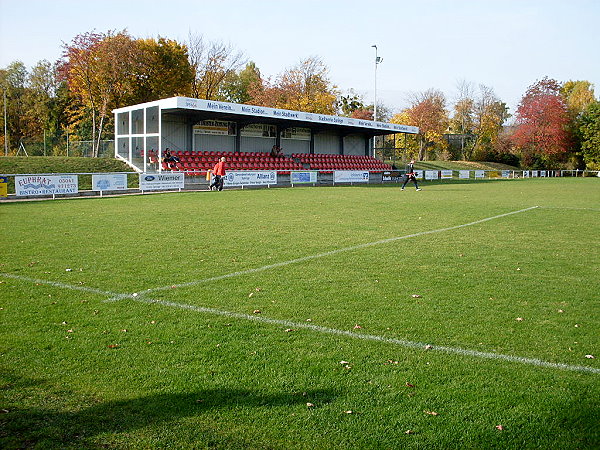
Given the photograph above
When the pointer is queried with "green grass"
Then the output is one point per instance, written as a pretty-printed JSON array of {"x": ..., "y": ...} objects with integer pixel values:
[{"x": 80, "y": 372}]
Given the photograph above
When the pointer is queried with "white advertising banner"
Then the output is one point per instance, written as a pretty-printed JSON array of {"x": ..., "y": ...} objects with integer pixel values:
[
  {"x": 464, "y": 174},
  {"x": 109, "y": 182},
  {"x": 161, "y": 181},
  {"x": 46, "y": 184},
  {"x": 445, "y": 174},
  {"x": 479, "y": 174},
  {"x": 506, "y": 173},
  {"x": 431, "y": 174},
  {"x": 351, "y": 176},
  {"x": 251, "y": 178},
  {"x": 534, "y": 173},
  {"x": 419, "y": 174},
  {"x": 262, "y": 111},
  {"x": 303, "y": 177},
  {"x": 526, "y": 174}
]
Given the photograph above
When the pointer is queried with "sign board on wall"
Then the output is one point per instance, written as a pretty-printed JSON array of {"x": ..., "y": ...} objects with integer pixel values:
[
  {"x": 3, "y": 186},
  {"x": 251, "y": 178},
  {"x": 351, "y": 176},
  {"x": 259, "y": 130},
  {"x": 300, "y": 134},
  {"x": 109, "y": 182},
  {"x": 157, "y": 181},
  {"x": 463, "y": 174},
  {"x": 218, "y": 127},
  {"x": 303, "y": 177},
  {"x": 479, "y": 174},
  {"x": 445, "y": 174},
  {"x": 431, "y": 174},
  {"x": 46, "y": 184},
  {"x": 391, "y": 175}
]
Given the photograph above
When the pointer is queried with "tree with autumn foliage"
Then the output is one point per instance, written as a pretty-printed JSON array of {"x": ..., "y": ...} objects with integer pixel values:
[
  {"x": 542, "y": 122},
  {"x": 105, "y": 71},
  {"x": 428, "y": 112},
  {"x": 213, "y": 63},
  {"x": 304, "y": 87}
]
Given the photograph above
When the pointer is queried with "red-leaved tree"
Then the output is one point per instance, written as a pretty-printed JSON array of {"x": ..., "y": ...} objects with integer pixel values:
[{"x": 542, "y": 123}]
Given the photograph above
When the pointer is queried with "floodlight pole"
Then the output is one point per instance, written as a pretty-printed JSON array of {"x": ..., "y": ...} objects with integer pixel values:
[
  {"x": 375, "y": 102},
  {"x": 5, "y": 126},
  {"x": 377, "y": 61}
]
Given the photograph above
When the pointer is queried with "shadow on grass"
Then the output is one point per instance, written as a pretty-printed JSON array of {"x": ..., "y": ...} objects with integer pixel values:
[{"x": 53, "y": 427}]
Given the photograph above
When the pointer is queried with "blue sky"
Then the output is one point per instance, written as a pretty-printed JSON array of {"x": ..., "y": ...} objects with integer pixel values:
[{"x": 506, "y": 45}]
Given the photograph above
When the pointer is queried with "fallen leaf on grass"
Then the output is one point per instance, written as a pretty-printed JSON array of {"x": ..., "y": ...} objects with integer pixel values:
[
  {"x": 428, "y": 347},
  {"x": 357, "y": 327},
  {"x": 499, "y": 427},
  {"x": 409, "y": 432},
  {"x": 519, "y": 319},
  {"x": 589, "y": 356},
  {"x": 113, "y": 346},
  {"x": 343, "y": 363},
  {"x": 289, "y": 330},
  {"x": 250, "y": 294},
  {"x": 257, "y": 311},
  {"x": 349, "y": 412},
  {"x": 407, "y": 384},
  {"x": 310, "y": 405},
  {"x": 431, "y": 413},
  {"x": 416, "y": 296}
]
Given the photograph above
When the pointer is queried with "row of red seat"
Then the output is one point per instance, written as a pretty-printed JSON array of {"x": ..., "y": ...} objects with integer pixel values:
[{"x": 199, "y": 162}]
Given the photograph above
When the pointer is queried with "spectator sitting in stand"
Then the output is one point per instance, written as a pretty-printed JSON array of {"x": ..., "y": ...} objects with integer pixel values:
[
  {"x": 170, "y": 159},
  {"x": 276, "y": 152}
]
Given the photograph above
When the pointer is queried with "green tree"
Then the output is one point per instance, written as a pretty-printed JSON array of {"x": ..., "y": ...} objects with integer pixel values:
[
  {"x": 162, "y": 70},
  {"x": 236, "y": 86},
  {"x": 13, "y": 82},
  {"x": 588, "y": 128}
]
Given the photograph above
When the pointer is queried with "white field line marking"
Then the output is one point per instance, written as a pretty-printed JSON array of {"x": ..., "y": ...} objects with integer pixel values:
[
  {"x": 333, "y": 252},
  {"x": 572, "y": 208},
  {"x": 57, "y": 284},
  {"x": 319, "y": 329},
  {"x": 372, "y": 337}
]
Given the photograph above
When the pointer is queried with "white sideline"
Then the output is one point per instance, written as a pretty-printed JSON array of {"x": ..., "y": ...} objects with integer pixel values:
[
  {"x": 289, "y": 324},
  {"x": 372, "y": 337},
  {"x": 316, "y": 328},
  {"x": 333, "y": 252}
]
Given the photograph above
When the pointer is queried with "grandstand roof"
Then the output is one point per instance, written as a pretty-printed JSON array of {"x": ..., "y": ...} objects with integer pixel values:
[{"x": 241, "y": 113}]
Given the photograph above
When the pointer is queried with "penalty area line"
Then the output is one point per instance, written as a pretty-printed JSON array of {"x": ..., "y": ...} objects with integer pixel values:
[{"x": 374, "y": 338}]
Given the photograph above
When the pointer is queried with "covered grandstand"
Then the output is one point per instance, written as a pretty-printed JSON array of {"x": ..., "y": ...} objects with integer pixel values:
[{"x": 199, "y": 131}]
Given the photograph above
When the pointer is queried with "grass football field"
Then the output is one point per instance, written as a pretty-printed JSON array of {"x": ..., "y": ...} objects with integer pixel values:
[{"x": 466, "y": 315}]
